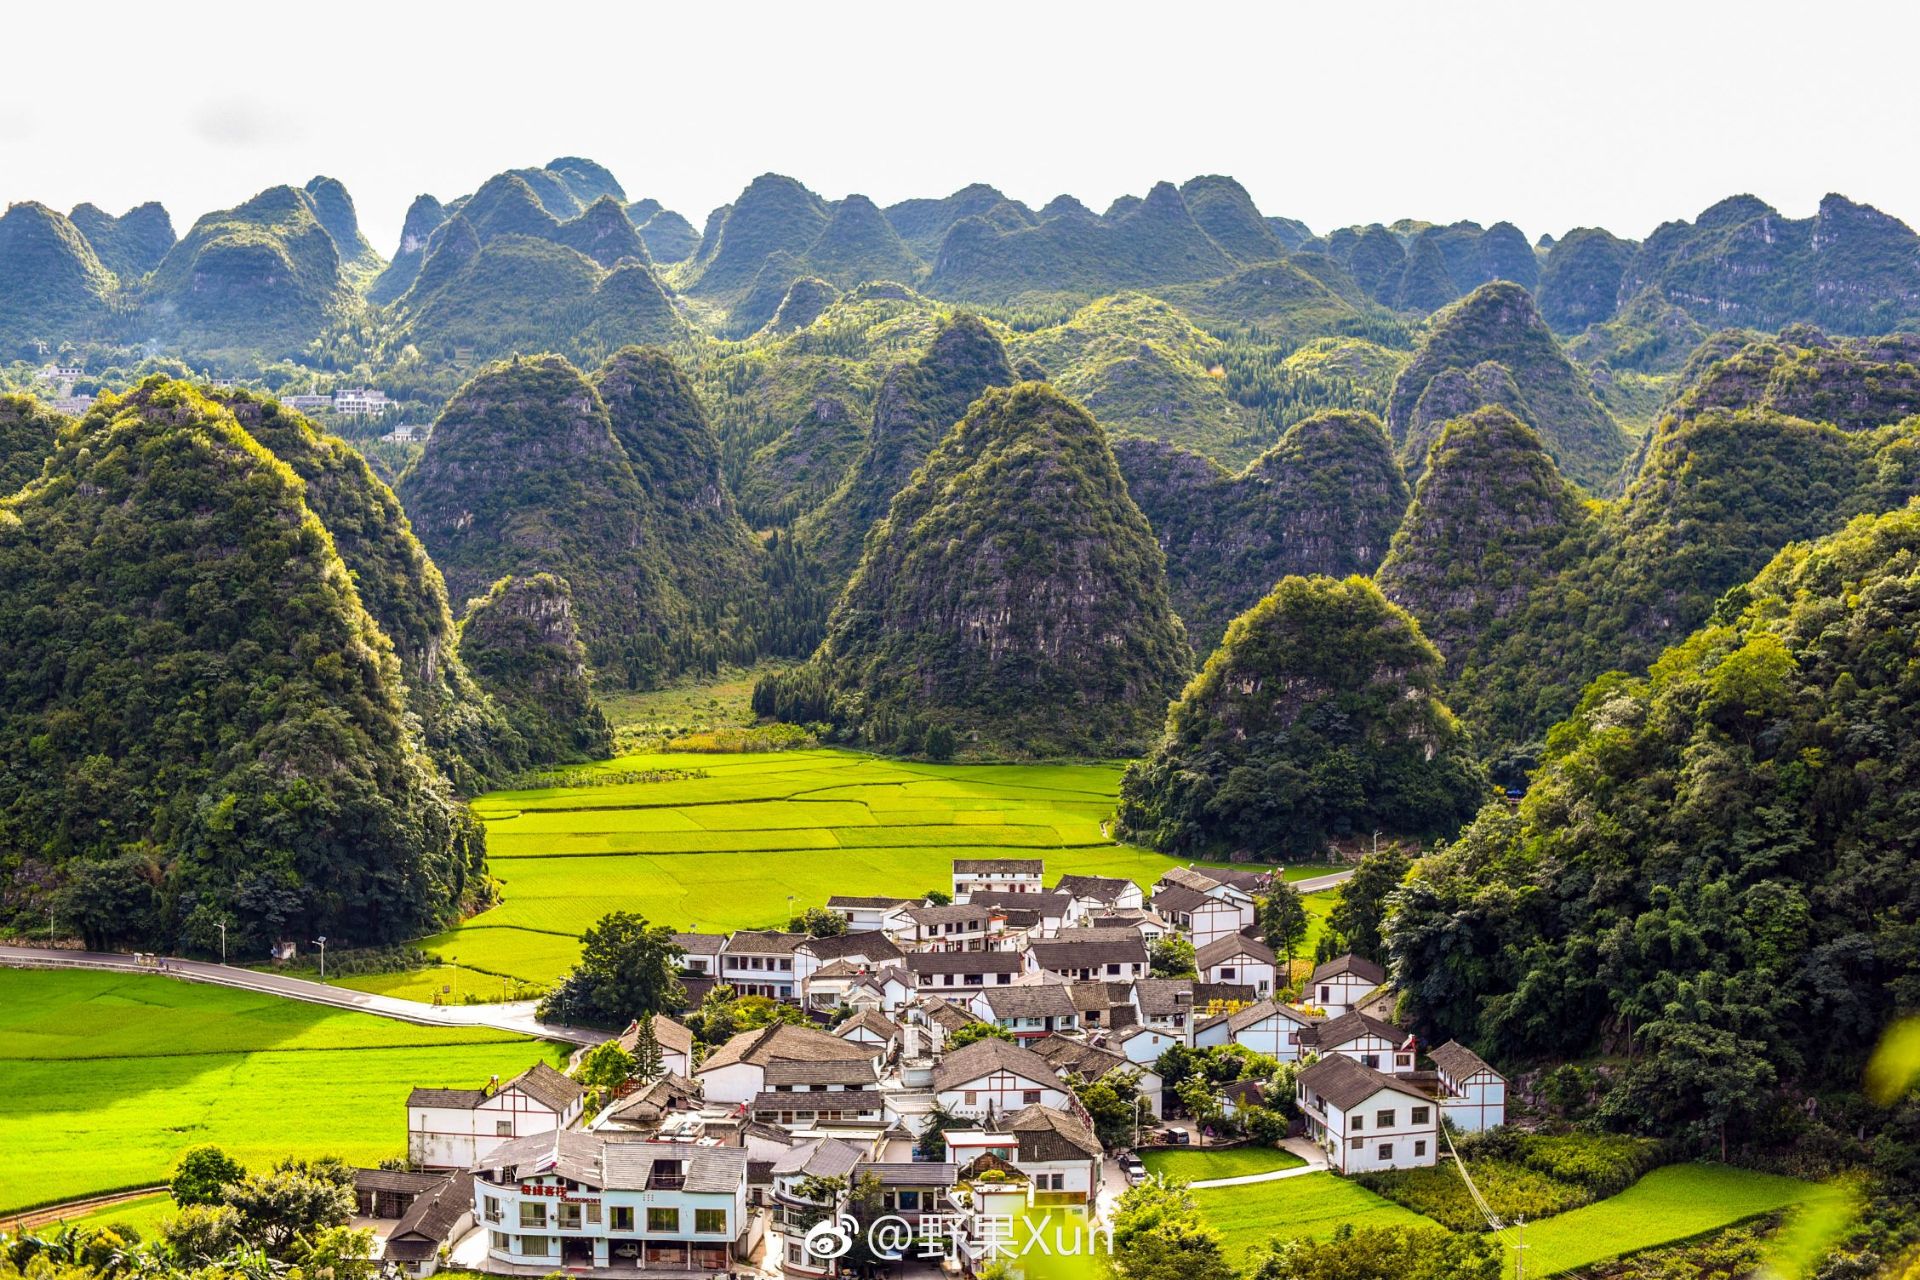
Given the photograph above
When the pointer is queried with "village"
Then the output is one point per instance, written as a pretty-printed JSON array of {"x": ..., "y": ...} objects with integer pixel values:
[{"x": 932, "y": 1065}]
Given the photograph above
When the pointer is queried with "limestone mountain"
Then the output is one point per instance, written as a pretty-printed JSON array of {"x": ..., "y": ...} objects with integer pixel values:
[
  {"x": 602, "y": 232},
  {"x": 774, "y": 214},
  {"x": 1849, "y": 268},
  {"x": 522, "y": 645},
  {"x": 916, "y": 406},
  {"x": 1223, "y": 209},
  {"x": 27, "y": 429},
  {"x": 711, "y": 556},
  {"x": 1324, "y": 501},
  {"x": 333, "y": 206},
  {"x": 424, "y": 215},
  {"x": 262, "y": 276},
  {"x": 399, "y": 587},
  {"x": 523, "y": 474},
  {"x": 858, "y": 244},
  {"x": 53, "y": 287},
  {"x": 1854, "y": 383},
  {"x": 1491, "y": 521},
  {"x": 806, "y": 300},
  {"x": 1454, "y": 393},
  {"x": 923, "y": 223},
  {"x": 1498, "y": 322},
  {"x": 1425, "y": 284},
  {"x": 668, "y": 236},
  {"x": 1580, "y": 283},
  {"x": 230, "y": 737},
  {"x": 130, "y": 245},
  {"x": 1012, "y": 602},
  {"x": 1282, "y": 298},
  {"x": 1319, "y": 718},
  {"x": 1155, "y": 241}
]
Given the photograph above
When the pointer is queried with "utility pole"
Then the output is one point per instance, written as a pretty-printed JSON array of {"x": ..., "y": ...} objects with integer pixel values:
[
  {"x": 321, "y": 941},
  {"x": 49, "y": 926},
  {"x": 222, "y": 927},
  {"x": 1520, "y": 1251}
]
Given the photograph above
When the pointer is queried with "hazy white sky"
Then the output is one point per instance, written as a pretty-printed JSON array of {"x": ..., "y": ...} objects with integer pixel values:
[{"x": 1547, "y": 114}]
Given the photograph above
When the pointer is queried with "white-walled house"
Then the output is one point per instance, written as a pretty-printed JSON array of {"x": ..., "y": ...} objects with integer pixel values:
[
  {"x": 1097, "y": 895},
  {"x": 1052, "y": 1147},
  {"x": 996, "y": 1078},
  {"x": 1365, "y": 1120},
  {"x": 1340, "y": 984},
  {"x": 458, "y": 1128},
  {"x": 1368, "y": 1041},
  {"x": 1268, "y": 1027},
  {"x": 1238, "y": 959},
  {"x": 957, "y": 974},
  {"x": 1111, "y": 955},
  {"x": 1203, "y": 917},
  {"x": 580, "y": 1200},
  {"x": 865, "y": 915},
  {"x": 736, "y": 1072},
  {"x": 1028, "y": 1009},
  {"x": 873, "y": 950},
  {"x": 1075, "y": 1057},
  {"x": 997, "y": 875},
  {"x": 700, "y": 953},
  {"x": 759, "y": 962},
  {"x": 1143, "y": 1045},
  {"x": 1474, "y": 1095},
  {"x": 962, "y": 927},
  {"x": 675, "y": 1041}
]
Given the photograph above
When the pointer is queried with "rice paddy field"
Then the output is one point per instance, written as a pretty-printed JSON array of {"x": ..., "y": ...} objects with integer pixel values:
[
  {"x": 1189, "y": 1165},
  {"x": 1314, "y": 1205},
  {"x": 749, "y": 839},
  {"x": 108, "y": 1077}
]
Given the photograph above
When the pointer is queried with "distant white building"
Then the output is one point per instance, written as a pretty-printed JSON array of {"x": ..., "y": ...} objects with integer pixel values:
[
  {"x": 1238, "y": 959},
  {"x": 1365, "y": 1120},
  {"x": 408, "y": 433},
  {"x": 997, "y": 875},
  {"x": 865, "y": 915},
  {"x": 73, "y": 406},
  {"x": 361, "y": 402},
  {"x": 1268, "y": 1027},
  {"x": 996, "y": 1078},
  {"x": 1341, "y": 984},
  {"x": 737, "y": 1071},
  {"x": 1367, "y": 1040},
  {"x": 458, "y": 1128},
  {"x": 1206, "y": 907},
  {"x": 306, "y": 403},
  {"x": 759, "y": 962}
]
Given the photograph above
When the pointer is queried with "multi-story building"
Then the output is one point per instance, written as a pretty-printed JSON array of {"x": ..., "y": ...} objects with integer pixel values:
[
  {"x": 1366, "y": 1120},
  {"x": 1239, "y": 959},
  {"x": 457, "y": 1128},
  {"x": 1113, "y": 955},
  {"x": 956, "y": 973},
  {"x": 1342, "y": 984},
  {"x": 578, "y": 1199},
  {"x": 1472, "y": 1094},
  {"x": 1006, "y": 875},
  {"x": 758, "y": 962}
]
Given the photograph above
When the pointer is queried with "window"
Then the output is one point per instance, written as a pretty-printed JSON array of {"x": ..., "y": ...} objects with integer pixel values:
[
  {"x": 1226, "y": 973},
  {"x": 1326, "y": 995},
  {"x": 664, "y": 1220},
  {"x": 493, "y": 1208},
  {"x": 1383, "y": 1119},
  {"x": 1113, "y": 969},
  {"x": 1359, "y": 1121},
  {"x": 1403, "y": 1060},
  {"x": 1386, "y": 1151},
  {"x": 569, "y": 1217},
  {"x": 710, "y": 1222},
  {"x": 1030, "y": 1096},
  {"x": 622, "y": 1217},
  {"x": 910, "y": 1201},
  {"x": 1359, "y": 1144},
  {"x": 533, "y": 1214},
  {"x": 535, "y": 1246},
  {"x": 1420, "y": 1147},
  {"x": 971, "y": 1097},
  {"x": 503, "y": 1128},
  {"x": 499, "y": 1241},
  {"x": 593, "y": 1214},
  {"x": 1420, "y": 1115},
  {"x": 1370, "y": 1060}
]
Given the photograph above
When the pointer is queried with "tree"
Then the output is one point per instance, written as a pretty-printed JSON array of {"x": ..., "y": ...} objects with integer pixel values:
[
  {"x": 976, "y": 1031},
  {"x": 647, "y": 1064},
  {"x": 1158, "y": 1234},
  {"x": 1284, "y": 923},
  {"x": 1390, "y": 1253},
  {"x": 1362, "y": 909},
  {"x": 627, "y": 970},
  {"x": 1172, "y": 957},
  {"x": 933, "y": 1132},
  {"x": 818, "y": 922},
  {"x": 202, "y": 1174},
  {"x": 199, "y": 1233},
  {"x": 937, "y": 898},
  {"x": 608, "y": 1066},
  {"x": 1114, "y": 1104},
  {"x": 299, "y": 1197},
  {"x": 340, "y": 1253},
  {"x": 1201, "y": 1103}
]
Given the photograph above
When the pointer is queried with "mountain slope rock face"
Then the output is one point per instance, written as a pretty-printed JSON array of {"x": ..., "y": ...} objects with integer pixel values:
[
  {"x": 1492, "y": 519},
  {"x": 1856, "y": 384},
  {"x": 398, "y": 586},
  {"x": 858, "y": 244},
  {"x": 1324, "y": 501},
  {"x": 1580, "y": 284},
  {"x": 916, "y": 407},
  {"x": 669, "y": 237},
  {"x": 1013, "y": 598},
  {"x": 924, "y": 223},
  {"x": 53, "y": 287},
  {"x": 333, "y": 206},
  {"x": 711, "y": 555},
  {"x": 27, "y": 429},
  {"x": 603, "y": 233},
  {"x": 229, "y": 739},
  {"x": 130, "y": 245},
  {"x": 1318, "y": 718},
  {"x": 424, "y": 215},
  {"x": 1223, "y": 209},
  {"x": 1498, "y": 322},
  {"x": 523, "y": 474},
  {"x": 773, "y": 215},
  {"x": 264, "y": 275},
  {"x": 522, "y": 645},
  {"x": 1454, "y": 393}
]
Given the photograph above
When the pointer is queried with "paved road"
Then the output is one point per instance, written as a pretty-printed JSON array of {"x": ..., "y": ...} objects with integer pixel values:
[
  {"x": 1317, "y": 883},
  {"x": 516, "y": 1017},
  {"x": 1316, "y": 1162}
]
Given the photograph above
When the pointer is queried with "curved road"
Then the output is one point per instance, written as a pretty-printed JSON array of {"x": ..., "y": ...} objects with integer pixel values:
[{"x": 515, "y": 1017}]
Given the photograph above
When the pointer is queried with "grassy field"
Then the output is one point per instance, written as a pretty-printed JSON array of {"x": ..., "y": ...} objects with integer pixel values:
[
  {"x": 143, "y": 1215},
  {"x": 1669, "y": 1205},
  {"x": 1234, "y": 1162},
  {"x": 751, "y": 839},
  {"x": 1314, "y": 1204},
  {"x": 109, "y": 1076}
]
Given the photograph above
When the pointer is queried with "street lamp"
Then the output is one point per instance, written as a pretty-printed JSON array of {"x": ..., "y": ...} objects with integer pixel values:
[
  {"x": 321, "y": 942},
  {"x": 222, "y": 927}
]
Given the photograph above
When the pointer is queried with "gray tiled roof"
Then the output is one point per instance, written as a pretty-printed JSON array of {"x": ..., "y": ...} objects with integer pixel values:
[
  {"x": 984, "y": 1057},
  {"x": 1361, "y": 968}
]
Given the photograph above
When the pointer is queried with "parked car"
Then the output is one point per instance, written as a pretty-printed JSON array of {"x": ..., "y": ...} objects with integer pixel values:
[
  {"x": 1175, "y": 1137},
  {"x": 1131, "y": 1168}
]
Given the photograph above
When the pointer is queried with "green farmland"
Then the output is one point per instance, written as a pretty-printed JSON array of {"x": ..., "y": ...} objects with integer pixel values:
[
  {"x": 109, "y": 1076},
  {"x": 1192, "y": 1165},
  {"x": 754, "y": 836},
  {"x": 1313, "y": 1204}
]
